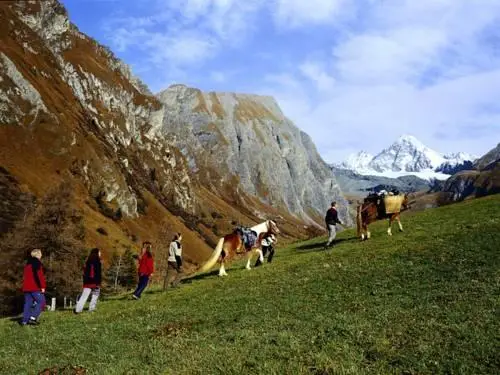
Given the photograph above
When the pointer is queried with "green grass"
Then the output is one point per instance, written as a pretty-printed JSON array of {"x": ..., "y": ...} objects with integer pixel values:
[{"x": 425, "y": 301}]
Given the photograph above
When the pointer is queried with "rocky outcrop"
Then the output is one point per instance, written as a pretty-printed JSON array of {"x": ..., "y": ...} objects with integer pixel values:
[
  {"x": 489, "y": 158},
  {"x": 482, "y": 181},
  {"x": 247, "y": 138}
]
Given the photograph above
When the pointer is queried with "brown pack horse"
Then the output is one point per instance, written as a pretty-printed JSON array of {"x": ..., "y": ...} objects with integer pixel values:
[
  {"x": 371, "y": 211},
  {"x": 231, "y": 244}
]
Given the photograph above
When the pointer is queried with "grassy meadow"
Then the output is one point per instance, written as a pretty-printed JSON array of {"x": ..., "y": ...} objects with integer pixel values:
[{"x": 426, "y": 301}]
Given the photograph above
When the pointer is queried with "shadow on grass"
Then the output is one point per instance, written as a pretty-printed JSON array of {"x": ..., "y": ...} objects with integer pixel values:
[
  {"x": 200, "y": 276},
  {"x": 320, "y": 245}
]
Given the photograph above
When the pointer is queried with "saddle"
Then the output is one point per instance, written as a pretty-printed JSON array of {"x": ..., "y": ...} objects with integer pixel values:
[
  {"x": 387, "y": 202},
  {"x": 248, "y": 236}
]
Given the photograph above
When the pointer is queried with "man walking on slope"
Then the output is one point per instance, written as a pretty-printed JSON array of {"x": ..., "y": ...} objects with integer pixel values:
[{"x": 331, "y": 219}]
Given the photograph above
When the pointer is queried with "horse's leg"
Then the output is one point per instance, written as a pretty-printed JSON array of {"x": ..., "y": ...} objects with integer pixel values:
[
  {"x": 368, "y": 233},
  {"x": 389, "y": 230},
  {"x": 249, "y": 259},
  {"x": 398, "y": 218},
  {"x": 222, "y": 270},
  {"x": 364, "y": 229}
]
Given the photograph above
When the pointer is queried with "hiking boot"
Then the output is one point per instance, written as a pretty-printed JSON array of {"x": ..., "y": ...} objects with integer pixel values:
[
  {"x": 134, "y": 296},
  {"x": 33, "y": 322}
]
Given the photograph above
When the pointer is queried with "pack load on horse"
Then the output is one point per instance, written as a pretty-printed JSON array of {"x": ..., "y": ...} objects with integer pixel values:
[
  {"x": 379, "y": 206},
  {"x": 241, "y": 240}
]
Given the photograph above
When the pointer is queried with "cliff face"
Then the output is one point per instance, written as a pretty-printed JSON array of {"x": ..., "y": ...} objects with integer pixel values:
[
  {"x": 70, "y": 110},
  {"x": 484, "y": 180},
  {"x": 247, "y": 139},
  {"x": 187, "y": 161}
]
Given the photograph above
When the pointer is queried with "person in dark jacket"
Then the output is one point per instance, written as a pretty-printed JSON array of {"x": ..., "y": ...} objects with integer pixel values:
[
  {"x": 146, "y": 269},
  {"x": 92, "y": 277},
  {"x": 332, "y": 219},
  {"x": 34, "y": 288}
]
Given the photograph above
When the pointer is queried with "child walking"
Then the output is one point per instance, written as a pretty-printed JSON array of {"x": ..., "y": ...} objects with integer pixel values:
[
  {"x": 146, "y": 269},
  {"x": 34, "y": 288},
  {"x": 92, "y": 277}
]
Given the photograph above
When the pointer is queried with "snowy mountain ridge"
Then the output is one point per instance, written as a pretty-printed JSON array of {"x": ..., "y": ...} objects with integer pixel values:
[{"x": 407, "y": 156}]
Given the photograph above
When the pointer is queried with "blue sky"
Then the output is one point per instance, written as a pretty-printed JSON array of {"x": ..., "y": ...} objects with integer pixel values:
[{"x": 353, "y": 74}]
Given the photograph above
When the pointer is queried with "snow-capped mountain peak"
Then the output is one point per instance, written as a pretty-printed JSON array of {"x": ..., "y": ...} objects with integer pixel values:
[
  {"x": 358, "y": 161},
  {"x": 407, "y": 155}
]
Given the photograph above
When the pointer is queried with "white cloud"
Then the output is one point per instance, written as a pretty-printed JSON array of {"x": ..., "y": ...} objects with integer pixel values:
[
  {"x": 295, "y": 13},
  {"x": 316, "y": 73}
]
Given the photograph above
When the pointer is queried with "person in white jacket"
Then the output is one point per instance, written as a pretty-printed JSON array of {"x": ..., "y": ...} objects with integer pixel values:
[
  {"x": 267, "y": 246},
  {"x": 174, "y": 266}
]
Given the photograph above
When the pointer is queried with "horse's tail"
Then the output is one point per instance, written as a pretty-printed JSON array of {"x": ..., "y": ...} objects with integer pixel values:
[
  {"x": 359, "y": 223},
  {"x": 215, "y": 255}
]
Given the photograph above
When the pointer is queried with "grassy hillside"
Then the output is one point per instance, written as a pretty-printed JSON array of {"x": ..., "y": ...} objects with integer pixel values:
[{"x": 426, "y": 301}]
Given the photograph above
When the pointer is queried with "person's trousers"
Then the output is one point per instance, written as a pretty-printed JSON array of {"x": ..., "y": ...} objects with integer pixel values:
[
  {"x": 172, "y": 278},
  {"x": 29, "y": 310},
  {"x": 143, "y": 283},
  {"x": 265, "y": 249},
  {"x": 83, "y": 299},
  {"x": 332, "y": 233}
]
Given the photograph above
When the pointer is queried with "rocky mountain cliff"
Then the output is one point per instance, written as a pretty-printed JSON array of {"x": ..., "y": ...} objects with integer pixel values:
[
  {"x": 247, "y": 139},
  {"x": 491, "y": 157},
  {"x": 69, "y": 110},
  {"x": 483, "y": 180}
]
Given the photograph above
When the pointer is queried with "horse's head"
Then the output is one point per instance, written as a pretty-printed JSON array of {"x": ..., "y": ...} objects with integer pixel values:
[
  {"x": 272, "y": 227},
  {"x": 406, "y": 204}
]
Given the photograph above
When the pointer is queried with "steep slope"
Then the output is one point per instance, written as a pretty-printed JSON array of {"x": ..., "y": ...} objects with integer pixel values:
[
  {"x": 483, "y": 180},
  {"x": 421, "y": 302},
  {"x": 69, "y": 110},
  {"x": 247, "y": 141},
  {"x": 490, "y": 157}
]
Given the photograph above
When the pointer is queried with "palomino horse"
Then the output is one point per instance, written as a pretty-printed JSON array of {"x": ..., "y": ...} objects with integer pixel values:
[
  {"x": 372, "y": 210},
  {"x": 231, "y": 244}
]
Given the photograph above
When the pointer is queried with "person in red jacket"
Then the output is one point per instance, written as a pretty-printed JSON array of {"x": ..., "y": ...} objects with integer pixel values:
[
  {"x": 91, "y": 281},
  {"x": 34, "y": 288},
  {"x": 146, "y": 269}
]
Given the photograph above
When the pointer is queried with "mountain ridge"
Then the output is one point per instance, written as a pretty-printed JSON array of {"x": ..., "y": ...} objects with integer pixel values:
[
  {"x": 71, "y": 110},
  {"x": 407, "y": 156}
]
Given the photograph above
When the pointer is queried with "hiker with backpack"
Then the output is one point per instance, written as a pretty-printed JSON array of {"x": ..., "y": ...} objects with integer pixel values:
[
  {"x": 145, "y": 270},
  {"x": 92, "y": 277},
  {"x": 34, "y": 285}
]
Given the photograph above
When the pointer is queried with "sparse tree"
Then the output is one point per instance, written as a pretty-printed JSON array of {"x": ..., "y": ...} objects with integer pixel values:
[{"x": 54, "y": 226}]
